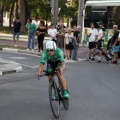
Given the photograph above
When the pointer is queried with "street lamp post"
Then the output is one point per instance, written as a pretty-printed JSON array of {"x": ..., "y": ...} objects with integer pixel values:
[
  {"x": 80, "y": 21},
  {"x": 55, "y": 12},
  {"x": 47, "y": 10}
]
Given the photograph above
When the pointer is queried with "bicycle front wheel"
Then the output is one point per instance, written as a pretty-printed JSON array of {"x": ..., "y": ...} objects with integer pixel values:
[
  {"x": 66, "y": 103},
  {"x": 54, "y": 99}
]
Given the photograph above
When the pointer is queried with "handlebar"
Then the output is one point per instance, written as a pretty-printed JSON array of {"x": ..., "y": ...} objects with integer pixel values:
[{"x": 46, "y": 73}]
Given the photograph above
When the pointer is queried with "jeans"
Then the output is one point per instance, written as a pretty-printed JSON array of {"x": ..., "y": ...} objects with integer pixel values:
[
  {"x": 31, "y": 37},
  {"x": 16, "y": 34},
  {"x": 74, "y": 56}
]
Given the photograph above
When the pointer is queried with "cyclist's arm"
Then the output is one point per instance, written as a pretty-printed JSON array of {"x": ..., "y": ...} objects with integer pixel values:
[
  {"x": 62, "y": 65},
  {"x": 41, "y": 66},
  {"x": 42, "y": 62}
]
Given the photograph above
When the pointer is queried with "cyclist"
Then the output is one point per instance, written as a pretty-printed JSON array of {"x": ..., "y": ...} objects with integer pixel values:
[
  {"x": 101, "y": 37},
  {"x": 55, "y": 61}
]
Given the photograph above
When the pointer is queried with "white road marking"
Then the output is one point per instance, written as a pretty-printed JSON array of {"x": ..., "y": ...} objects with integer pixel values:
[
  {"x": 73, "y": 61},
  {"x": 19, "y": 58}
]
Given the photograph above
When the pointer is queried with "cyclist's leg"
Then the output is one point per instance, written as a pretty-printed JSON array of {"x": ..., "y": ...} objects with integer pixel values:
[{"x": 62, "y": 81}]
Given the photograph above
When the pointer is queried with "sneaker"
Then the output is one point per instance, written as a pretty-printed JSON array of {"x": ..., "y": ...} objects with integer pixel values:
[
  {"x": 76, "y": 59},
  {"x": 65, "y": 94},
  {"x": 89, "y": 58},
  {"x": 33, "y": 50},
  {"x": 99, "y": 61},
  {"x": 107, "y": 58},
  {"x": 28, "y": 49},
  {"x": 93, "y": 59},
  {"x": 114, "y": 63},
  {"x": 15, "y": 45}
]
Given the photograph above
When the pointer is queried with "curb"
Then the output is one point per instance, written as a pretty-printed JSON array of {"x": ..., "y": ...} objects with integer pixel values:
[
  {"x": 20, "y": 51},
  {"x": 18, "y": 69},
  {"x": 7, "y": 67}
]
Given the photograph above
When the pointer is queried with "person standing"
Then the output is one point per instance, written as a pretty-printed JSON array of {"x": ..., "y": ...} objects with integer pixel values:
[
  {"x": 69, "y": 43},
  {"x": 101, "y": 38},
  {"x": 76, "y": 41},
  {"x": 16, "y": 32},
  {"x": 61, "y": 35},
  {"x": 36, "y": 24},
  {"x": 31, "y": 33},
  {"x": 115, "y": 44},
  {"x": 92, "y": 36},
  {"x": 41, "y": 30},
  {"x": 52, "y": 32}
]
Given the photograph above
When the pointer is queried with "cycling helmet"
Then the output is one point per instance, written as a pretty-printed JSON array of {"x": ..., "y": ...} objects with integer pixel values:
[{"x": 51, "y": 45}]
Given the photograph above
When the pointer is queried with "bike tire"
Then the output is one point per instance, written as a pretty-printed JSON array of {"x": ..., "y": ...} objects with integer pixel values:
[
  {"x": 66, "y": 103},
  {"x": 54, "y": 102},
  {"x": 95, "y": 54}
]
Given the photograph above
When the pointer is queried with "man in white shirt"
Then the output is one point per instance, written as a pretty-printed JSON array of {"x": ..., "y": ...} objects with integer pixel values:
[
  {"x": 92, "y": 36},
  {"x": 52, "y": 32},
  {"x": 35, "y": 22}
]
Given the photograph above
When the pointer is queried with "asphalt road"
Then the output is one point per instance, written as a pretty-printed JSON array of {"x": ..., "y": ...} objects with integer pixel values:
[{"x": 94, "y": 91}]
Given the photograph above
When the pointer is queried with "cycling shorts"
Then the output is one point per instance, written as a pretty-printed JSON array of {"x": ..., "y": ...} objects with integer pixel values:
[
  {"x": 52, "y": 66},
  {"x": 91, "y": 45}
]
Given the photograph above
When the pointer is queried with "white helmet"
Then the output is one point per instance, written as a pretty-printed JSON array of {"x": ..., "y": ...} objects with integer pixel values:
[{"x": 51, "y": 45}]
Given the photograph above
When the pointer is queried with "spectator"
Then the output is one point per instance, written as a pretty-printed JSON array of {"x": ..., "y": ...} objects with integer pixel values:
[
  {"x": 115, "y": 44},
  {"x": 101, "y": 38},
  {"x": 31, "y": 33},
  {"x": 52, "y": 32},
  {"x": 16, "y": 32},
  {"x": 76, "y": 41},
  {"x": 92, "y": 38},
  {"x": 74, "y": 28},
  {"x": 69, "y": 43},
  {"x": 41, "y": 30},
  {"x": 36, "y": 22},
  {"x": 61, "y": 35}
]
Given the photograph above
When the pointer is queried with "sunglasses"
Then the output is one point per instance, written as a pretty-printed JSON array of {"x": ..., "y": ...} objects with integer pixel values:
[{"x": 51, "y": 50}]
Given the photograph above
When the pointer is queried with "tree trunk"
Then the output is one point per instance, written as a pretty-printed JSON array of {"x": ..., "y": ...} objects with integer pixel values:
[
  {"x": 21, "y": 11},
  {"x": 1, "y": 14},
  {"x": 27, "y": 11},
  {"x": 11, "y": 13},
  {"x": 117, "y": 16}
]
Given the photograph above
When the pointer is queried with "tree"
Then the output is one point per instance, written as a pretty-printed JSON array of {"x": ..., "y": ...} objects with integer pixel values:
[{"x": 21, "y": 13}]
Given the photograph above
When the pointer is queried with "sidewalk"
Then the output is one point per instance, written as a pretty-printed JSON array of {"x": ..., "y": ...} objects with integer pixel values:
[{"x": 6, "y": 39}]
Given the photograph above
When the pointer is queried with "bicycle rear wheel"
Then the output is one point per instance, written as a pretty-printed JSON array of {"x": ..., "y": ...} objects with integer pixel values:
[
  {"x": 54, "y": 99},
  {"x": 94, "y": 55}
]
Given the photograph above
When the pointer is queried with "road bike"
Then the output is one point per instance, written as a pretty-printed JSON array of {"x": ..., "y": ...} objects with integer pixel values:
[
  {"x": 55, "y": 95},
  {"x": 95, "y": 54}
]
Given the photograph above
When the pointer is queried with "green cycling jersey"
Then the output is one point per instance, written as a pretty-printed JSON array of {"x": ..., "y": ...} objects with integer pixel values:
[{"x": 58, "y": 55}]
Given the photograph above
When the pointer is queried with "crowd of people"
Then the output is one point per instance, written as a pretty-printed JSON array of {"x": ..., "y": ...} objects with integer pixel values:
[
  {"x": 99, "y": 36},
  {"x": 68, "y": 39}
]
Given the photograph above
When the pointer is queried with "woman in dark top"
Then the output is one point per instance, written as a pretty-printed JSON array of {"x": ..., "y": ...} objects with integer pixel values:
[{"x": 41, "y": 30}]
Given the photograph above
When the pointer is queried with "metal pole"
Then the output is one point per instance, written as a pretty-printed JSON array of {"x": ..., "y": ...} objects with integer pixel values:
[
  {"x": 80, "y": 21},
  {"x": 55, "y": 12}
]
